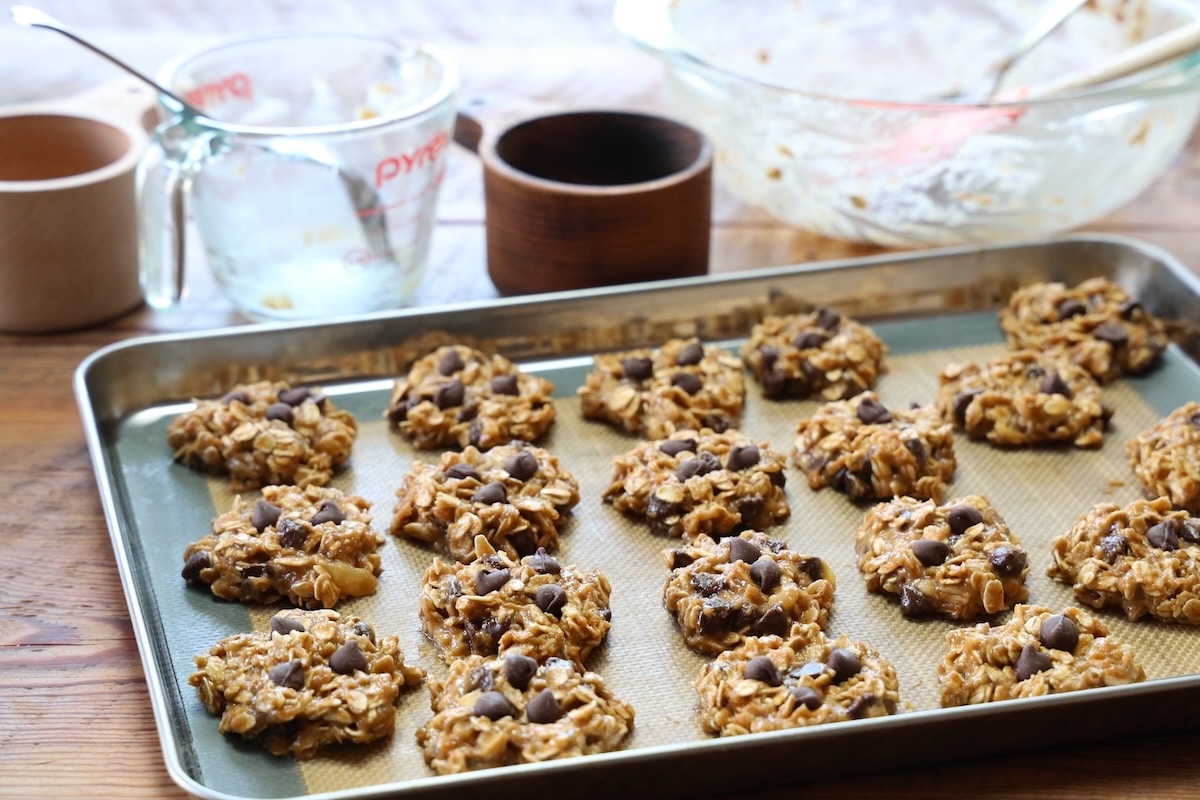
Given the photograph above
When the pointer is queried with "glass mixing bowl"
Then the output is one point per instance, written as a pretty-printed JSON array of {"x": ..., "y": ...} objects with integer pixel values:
[{"x": 831, "y": 114}]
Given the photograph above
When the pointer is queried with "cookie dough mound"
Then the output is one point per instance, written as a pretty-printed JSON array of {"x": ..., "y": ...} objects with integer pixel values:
[
  {"x": 457, "y": 396},
  {"x": 701, "y": 482},
  {"x": 1095, "y": 325},
  {"x": 957, "y": 560},
  {"x": 511, "y": 710},
  {"x": 684, "y": 385},
  {"x": 315, "y": 678},
  {"x": 265, "y": 433},
  {"x": 1037, "y": 652},
  {"x": 515, "y": 495},
  {"x": 771, "y": 683},
  {"x": 721, "y": 592},
  {"x": 820, "y": 354},
  {"x": 1022, "y": 399},
  {"x": 313, "y": 547},
  {"x": 1143, "y": 558},
  {"x": 1166, "y": 458},
  {"x": 868, "y": 451},
  {"x": 497, "y": 605}
]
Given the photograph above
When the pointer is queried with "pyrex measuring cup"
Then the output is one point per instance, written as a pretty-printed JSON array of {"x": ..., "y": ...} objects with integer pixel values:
[{"x": 314, "y": 184}]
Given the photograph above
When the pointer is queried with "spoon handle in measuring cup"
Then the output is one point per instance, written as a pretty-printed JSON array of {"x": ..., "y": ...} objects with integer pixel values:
[{"x": 162, "y": 185}]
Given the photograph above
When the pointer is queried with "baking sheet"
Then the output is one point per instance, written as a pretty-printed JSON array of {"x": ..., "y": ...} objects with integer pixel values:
[{"x": 930, "y": 309}]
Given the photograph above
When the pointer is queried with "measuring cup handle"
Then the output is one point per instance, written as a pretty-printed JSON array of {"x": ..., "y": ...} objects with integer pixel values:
[{"x": 162, "y": 184}]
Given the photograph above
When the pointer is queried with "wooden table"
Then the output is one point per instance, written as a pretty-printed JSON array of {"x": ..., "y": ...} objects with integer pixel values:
[{"x": 74, "y": 714}]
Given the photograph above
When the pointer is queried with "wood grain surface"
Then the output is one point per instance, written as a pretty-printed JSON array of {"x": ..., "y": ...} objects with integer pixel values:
[{"x": 75, "y": 719}]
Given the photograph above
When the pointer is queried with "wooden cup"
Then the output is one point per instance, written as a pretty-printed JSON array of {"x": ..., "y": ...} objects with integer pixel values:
[
  {"x": 68, "y": 222},
  {"x": 595, "y": 198}
]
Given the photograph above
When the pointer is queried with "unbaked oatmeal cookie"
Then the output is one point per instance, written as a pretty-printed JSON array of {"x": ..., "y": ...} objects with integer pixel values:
[
  {"x": 314, "y": 679},
  {"x": 1022, "y": 399},
  {"x": 771, "y": 683},
  {"x": 868, "y": 451},
  {"x": 498, "y": 605},
  {"x": 721, "y": 592},
  {"x": 1143, "y": 558},
  {"x": 1037, "y": 652},
  {"x": 683, "y": 385},
  {"x": 1095, "y": 325},
  {"x": 493, "y": 712},
  {"x": 820, "y": 354},
  {"x": 265, "y": 433},
  {"x": 458, "y": 396},
  {"x": 1166, "y": 458},
  {"x": 312, "y": 547},
  {"x": 957, "y": 560},
  {"x": 701, "y": 482},
  {"x": 515, "y": 495}
]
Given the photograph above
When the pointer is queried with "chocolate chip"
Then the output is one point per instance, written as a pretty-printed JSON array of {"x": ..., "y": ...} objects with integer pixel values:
[
  {"x": 1053, "y": 383},
  {"x": 363, "y": 629},
  {"x": 843, "y": 481},
  {"x": 638, "y": 368},
  {"x": 289, "y": 674},
  {"x": 962, "y": 402},
  {"x": 687, "y": 381},
  {"x": 1070, "y": 308},
  {"x": 766, "y": 574},
  {"x": 285, "y": 625},
  {"x": 493, "y": 705},
  {"x": 281, "y": 412},
  {"x": 251, "y": 571},
  {"x": 674, "y": 447},
  {"x": 962, "y": 518},
  {"x": 195, "y": 563},
  {"x": 659, "y": 509},
  {"x": 680, "y": 559},
  {"x": 773, "y": 622},
  {"x": 872, "y": 412},
  {"x": 828, "y": 319},
  {"x": 519, "y": 670},
  {"x": 1059, "y": 632},
  {"x": 707, "y": 585},
  {"x": 1112, "y": 332},
  {"x": 1130, "y": 309},
  {"x": 295, "y": 396},
  {"x": 292, "y": 533},
  {"x": 1194, "y": 419},
  {"x": 742, "y": 550},
  {"x": 913, "y": 602},
  {"x": 806, "y": 696},
  {"x": 742, "y": 456},
  {"x": 860, "y": 706},
  {"x": 844, "y": 663},
  {"x": 551, "y": 598},
  {"x": 930, "y": 552},
  {"x": 328, "y": 511},
  {"x": 691, "y": 353},
  {"x": 522, "y": 465},
  {"x": 1189, "y": 533},
  {"x": 809, "y": 340},
  {"x": 813, "y": 567},
  {"x": 505, "y": 384},
  {"x": 761, "y": 668},
  {"x": 809, "y": 669},
  {"x": 1163, "y": 535},
  {"x": 1007, "y": 561},
  {"x": 917, "y": 448},
  {"x": 543, "y": 563},
  {"x": 490, "y": 494},
  {"x": 240, "y": 395},
  {"x": 1113, "y": 546},
  {"x": 692, "y": 467},
  {"x": 462, "y": 471},
  {"x": 265, "y": 515},
  {"x": 450, "y": 361},
  {"x": 449, "y": 394},
  {"x": 1031, "y": 662},
  {"x": 466, "y": 413},
  {"x": 523, "y": 541},
  {"x": 489, "y": 580},
  {"x": 543, "y": 708},
  {"x": 348, "y": 659}
]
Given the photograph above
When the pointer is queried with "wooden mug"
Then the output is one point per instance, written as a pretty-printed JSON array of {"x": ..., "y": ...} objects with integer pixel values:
[
  {"x": 68, "y": 221},
  {"x": 593, "y": 198}
]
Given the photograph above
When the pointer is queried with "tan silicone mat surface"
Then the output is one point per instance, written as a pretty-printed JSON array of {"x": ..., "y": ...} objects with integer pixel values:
[{"x": 1039, "y": 492}]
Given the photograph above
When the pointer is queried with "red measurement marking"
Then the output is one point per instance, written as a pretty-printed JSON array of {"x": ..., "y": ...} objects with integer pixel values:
[
  {"x": 406, "y": 163},
  {"x": 237, "y": 84}
]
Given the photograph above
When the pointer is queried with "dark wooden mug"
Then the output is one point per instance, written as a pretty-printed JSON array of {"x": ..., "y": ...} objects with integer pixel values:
[{"x": 592, "y": 198}]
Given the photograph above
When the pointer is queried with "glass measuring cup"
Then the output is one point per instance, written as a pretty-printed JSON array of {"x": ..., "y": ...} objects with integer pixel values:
[{"x": 313, "y": 186}]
